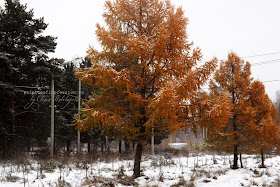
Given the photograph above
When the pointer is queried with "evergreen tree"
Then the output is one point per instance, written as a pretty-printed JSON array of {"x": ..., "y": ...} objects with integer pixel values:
[{"x": 23, "y": 63}]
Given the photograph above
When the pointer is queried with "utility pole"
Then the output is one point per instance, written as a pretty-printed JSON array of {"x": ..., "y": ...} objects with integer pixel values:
[
  {"x": 52, "y": 110},
  {"x": 52, "y": 117},
  {"x": 153, "y": 142},
  {"x": 79, "y": 111}
]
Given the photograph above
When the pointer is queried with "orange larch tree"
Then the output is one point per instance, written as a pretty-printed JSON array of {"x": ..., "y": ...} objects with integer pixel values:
[
  {"x": 234, "y": 77},
  {"x": 210, "y": 111},
  {"x": 145, "y": 75},
  {"x": 263, "y": 133}
]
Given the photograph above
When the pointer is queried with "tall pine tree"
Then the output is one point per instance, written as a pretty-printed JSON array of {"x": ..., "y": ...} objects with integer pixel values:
[{"x": 23, "y": 58}]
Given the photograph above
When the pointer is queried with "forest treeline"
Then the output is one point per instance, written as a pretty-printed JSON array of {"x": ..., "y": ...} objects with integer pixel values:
[
  {"x": 26, "y": 72},
  {"x": 146, "y": 81}
]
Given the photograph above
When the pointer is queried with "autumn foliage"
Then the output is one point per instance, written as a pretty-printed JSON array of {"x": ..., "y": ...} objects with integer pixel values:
[
  {"x": 147, "y": 79},
  {"x": 263, "y": 133},
  {"x": 252, "y": 126},
  {"x": 146, "y": 75}
]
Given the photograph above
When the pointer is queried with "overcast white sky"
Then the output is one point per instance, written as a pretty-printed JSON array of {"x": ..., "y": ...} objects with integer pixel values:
[{"x": 247, "y": 27}]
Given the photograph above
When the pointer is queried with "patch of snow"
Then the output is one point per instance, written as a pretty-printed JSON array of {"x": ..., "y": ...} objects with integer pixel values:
[
  {"x": 177, "y": 145},
  {"x": 202, "y": 171}
]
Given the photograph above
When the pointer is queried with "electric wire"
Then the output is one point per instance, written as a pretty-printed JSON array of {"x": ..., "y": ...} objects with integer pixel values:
[
  {"x": 266, "y": 54},
  {"x": 253, "y": 64},
  {"x": 252, "y": 56},
  {"x": 266, "y": 62}
]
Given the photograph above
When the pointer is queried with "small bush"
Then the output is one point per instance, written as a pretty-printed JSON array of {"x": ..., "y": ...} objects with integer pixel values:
[
  {"x": 48, "y": 166},
  {"x": 161, "y": 177},
  {"x": 62, "y": 183},
  {"x": 254, "y": 183},
  {"x": 11, "y": 178},
  {"x": 184, "y": 183},
  {"x": 220, "y": 172},
  {"x": 277, "y": 182},
  {"x": 121, "y": 172}
]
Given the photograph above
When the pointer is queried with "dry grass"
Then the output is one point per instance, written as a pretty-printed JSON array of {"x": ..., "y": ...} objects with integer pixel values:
[
  {"x": 109, "y": 182},
  {"x": 183, "y": 183}
]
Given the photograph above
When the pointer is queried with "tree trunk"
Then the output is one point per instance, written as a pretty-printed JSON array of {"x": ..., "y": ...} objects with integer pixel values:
[
  {"x": 94, "y": 143},
  {"x": 262, "y": 156},
  {"x": 139, "y": 147},
  {"x": 137, "y": 160},
  {"x": 241, "y": 164},
  {"x": 108, "y": 147},
  {"x": 126, "y": 146},
  {"x": 133, "y": 145},
  {"x": 235, "y": 157},
  {"x": 235, "y": 146},
  {"x": 11, "y": 131},
  {"x": 68, "y": 146},
  {"x": 102, "y": 147},
  {"x": 120, "y": 146},
  {"x": 12, "y": 110},
  {"x": 107, "y": 144},
  {"x": 103, "y": 144},
  {"x": 89, "y": 144},
  {"x": 5, "y": 147}
]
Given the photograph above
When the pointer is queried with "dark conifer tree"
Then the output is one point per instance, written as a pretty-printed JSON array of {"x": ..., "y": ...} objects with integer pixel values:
[{"x": 23, "y": 63}]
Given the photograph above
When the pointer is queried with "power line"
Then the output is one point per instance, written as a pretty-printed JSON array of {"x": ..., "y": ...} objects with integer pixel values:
[
  {"x": 266, "y": 62},
  {"x": 206, "y": 88},
  {"x": 270, "y": 81},
  {"x": 251, "y": 56},
  {"x": 266, "y": 54}
]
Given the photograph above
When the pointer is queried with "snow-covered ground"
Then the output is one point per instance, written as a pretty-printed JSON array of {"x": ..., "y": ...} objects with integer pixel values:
[{"x": 205, "y": 170}]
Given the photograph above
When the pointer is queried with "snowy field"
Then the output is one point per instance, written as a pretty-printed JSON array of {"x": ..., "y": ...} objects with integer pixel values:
[{"x": 205, "y": 170}]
